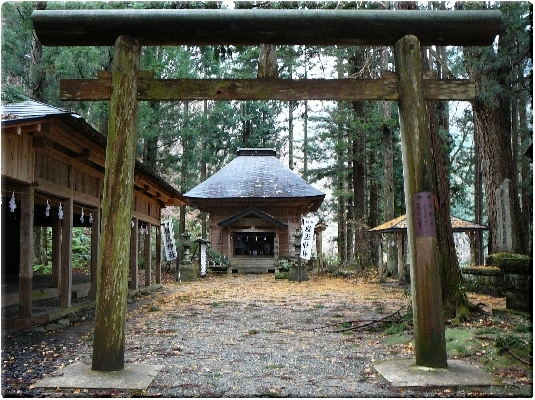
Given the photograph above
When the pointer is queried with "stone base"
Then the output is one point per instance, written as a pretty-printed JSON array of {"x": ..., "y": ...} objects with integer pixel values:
[
  {"x": 484, "y": 279},
  {"x": 519, "y": 301},
  {"x": 294, "y": 276},
  {"x": 188, "y": 272},
  {"x": 81, "y": 376},
  {"x": 405, "y": 373}
]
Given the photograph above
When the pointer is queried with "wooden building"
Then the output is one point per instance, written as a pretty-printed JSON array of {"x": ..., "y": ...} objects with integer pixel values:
[
  {"x": 52, "y": 175},
  {"x": 396, "y": 230},
  {"x": 255, "y": 205}
]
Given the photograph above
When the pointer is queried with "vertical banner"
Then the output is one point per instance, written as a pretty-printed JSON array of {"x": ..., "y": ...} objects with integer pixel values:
[
  {"x": 169, "y": 240},
  {"x": 308, "y": 236},
  {"x": 203, "y": 259}
]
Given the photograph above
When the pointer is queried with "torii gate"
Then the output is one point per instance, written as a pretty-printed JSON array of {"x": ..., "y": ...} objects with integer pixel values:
[{"x": 128, "y": 30}]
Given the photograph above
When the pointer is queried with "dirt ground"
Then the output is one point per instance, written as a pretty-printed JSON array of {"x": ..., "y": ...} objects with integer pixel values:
[{"x": 255, "y": 336}]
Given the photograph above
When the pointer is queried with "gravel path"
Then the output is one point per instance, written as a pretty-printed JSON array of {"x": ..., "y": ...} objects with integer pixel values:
[{"x": 236, "y": 336}]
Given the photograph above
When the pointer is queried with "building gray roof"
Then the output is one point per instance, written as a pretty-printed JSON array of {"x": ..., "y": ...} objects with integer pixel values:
[
  {"x": 30, "y": 109},
  {"x": 254, "y": 174}
]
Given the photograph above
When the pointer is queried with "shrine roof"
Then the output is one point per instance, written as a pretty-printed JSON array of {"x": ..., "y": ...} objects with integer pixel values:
[
  {"x": 254, "y": 174},
  {"x": 399, "y": 224}
]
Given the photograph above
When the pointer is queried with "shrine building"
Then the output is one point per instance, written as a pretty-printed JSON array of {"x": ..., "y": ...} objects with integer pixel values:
[
  {"x": 52, "y": 175},
  {"x": 255, "y": 205}
]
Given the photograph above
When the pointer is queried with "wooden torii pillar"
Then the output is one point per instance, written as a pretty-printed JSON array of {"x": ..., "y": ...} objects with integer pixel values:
[
  {"x": 418, "y": 170},
  {"x": 406, "y": 30}
]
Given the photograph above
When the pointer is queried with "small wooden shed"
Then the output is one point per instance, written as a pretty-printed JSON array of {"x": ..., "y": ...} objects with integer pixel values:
[
  {"x": 398, "y": 228},
  {"x": 52, "y": 175},
  {"x": 255, "y": 205}
]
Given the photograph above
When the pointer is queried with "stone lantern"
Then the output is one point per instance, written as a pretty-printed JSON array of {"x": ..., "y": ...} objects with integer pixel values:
[
  {"x": 188, "y": 271},
  {"x": 297, "y": 273},
  {"x": 186, "y": 243},
  {"x": 297, "y": 241}
]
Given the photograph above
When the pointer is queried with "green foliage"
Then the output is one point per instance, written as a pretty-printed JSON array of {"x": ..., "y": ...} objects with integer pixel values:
[
  {"x": 81, "y": 248},
  {"x": 282, "y": 275},
  {"x": 509, "y": 261},
  {"x": 396, "y": 328},
  {"x": 43, "y": 269},
  {"x": 507, "y": 341},
  {"x": 523, "y": 328},
  {"x": 216, "y": 257},
  {"x": 13, "y": 94},
  {"x": 284, "y": 265},
  {"x": 81, "y": 251}
]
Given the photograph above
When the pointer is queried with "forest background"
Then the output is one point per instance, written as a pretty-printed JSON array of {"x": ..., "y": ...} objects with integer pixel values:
[{"x": 351, "y": 150}]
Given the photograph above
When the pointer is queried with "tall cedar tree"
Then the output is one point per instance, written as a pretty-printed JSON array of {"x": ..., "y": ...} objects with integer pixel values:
[{"x": 492, "y": 70}]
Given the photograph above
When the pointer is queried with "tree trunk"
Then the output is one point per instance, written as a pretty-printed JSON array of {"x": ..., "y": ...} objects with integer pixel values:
[
  {"x": 37, "y": 85},
  {"x": 305, "y": 127},
  {"x": 373, "y": 217},
  {"x": 350, "y": 203},
  {"x": 342, "y": 209},
  {"x": 291, "y": 135},
  {"x": 204, "y": 215},
  {"x": 527, "y": 177},
  {"x": 150, "y": 144},
  {"x": 291, "y": 129},
  {"x": 388, "y": 180},
  {"x": 453, "y": 297},
  {"x": 114, "y": 249},
  {"x": 476, "y": 238},
  {"x": 341, "y": 183},
  {"x": 305, "y": 141},
  {"x": 358, "y": 146},
  {"x": 492, "y": 119},
  {"x": 184, "y": 169},
  {"x": 37, "y": 74},
  {"x": 40, "y": 245},
  {"x": 492, "y": 122}
]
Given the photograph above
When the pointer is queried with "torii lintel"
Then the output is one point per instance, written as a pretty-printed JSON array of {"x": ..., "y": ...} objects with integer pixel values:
[{"x": 252, "y": 27}]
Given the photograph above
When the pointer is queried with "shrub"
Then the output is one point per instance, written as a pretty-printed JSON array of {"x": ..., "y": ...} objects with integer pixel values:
[
  {"x": 507, "y": 341},
  {"x": 216, "y": 258},
  {"x": 284, "y": 265},
  {"x": 43, "y": 269}
]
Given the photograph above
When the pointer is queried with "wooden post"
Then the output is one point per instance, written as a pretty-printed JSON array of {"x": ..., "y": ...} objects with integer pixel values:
[
  {"x": 112, "y": 286},
  {"x": 319, "y": 250},
  {"x": 134, "y": 255},
  {"x": 95, "y": 238},
  {"x": 159, "y": 251},
  {"x": 56, "y": 250},
  {"x": 401, "y": 258},
  {"x": 381, "y": 263},
  {"x": 148, "y": 253},
  {"x": 429, "y": 332},
  {"x": 26, "y": 252},
  {"x": 65, "y": 288},
  {"x": 267, "y": 61}
]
